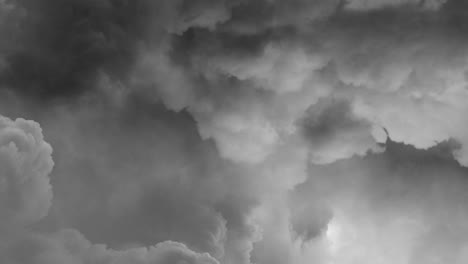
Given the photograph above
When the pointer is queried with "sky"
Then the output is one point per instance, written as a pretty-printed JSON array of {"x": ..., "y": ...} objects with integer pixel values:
[{"x": 233, "y": 131}]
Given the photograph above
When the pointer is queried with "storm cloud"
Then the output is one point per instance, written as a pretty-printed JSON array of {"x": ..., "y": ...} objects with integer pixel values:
[{"x": 233, "y": 131}]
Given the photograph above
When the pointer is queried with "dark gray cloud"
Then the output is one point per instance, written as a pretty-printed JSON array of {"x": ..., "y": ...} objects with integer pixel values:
[
  {"x": 249, "y": 87},
  {"x": 233, "y": 131},
  {"x": 59, "y": 48},
  {"x": 27, "y": 196},
  {"x": 335, "y": 132},
  {"x": 243, "y": 60},
  {"x": 165, "y": 184},
  {"x": 69, "y": 246},
  {"x": 155, "y": 180}
]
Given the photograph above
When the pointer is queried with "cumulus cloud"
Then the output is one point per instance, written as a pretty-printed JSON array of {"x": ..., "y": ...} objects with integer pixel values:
[{"x": 25, "y": 162}]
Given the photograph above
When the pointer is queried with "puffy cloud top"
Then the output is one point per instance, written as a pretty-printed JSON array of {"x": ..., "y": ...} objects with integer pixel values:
[{"x": 25, "y": 165}]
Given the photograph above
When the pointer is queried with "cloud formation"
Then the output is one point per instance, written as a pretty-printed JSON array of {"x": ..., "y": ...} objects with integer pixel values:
[
  {"x": 25, "y": 162},
  {"x": 69, "y": 246},
  {"x": 234, "y": 131},
  {"x": 246, "y": 89},
  {"x": 247, "y": 78},
  {"x": 403, "y": 205},
  {"x": 26, "y": 197}
]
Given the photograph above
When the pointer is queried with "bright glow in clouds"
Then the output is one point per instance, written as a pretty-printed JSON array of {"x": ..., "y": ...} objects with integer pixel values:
[
  {"x": 334, "y": 235},
  {"x": 349, "y": 241}
]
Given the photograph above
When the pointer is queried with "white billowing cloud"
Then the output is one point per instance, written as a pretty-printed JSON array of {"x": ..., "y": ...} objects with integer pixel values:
[
  {"x": 413, "y": 85},
  {"x": 249, "y": 118},
  {"x": 375, "y": 67},
  {"x": 248, "y": 103},
  {"x": 25, "y": 164}
]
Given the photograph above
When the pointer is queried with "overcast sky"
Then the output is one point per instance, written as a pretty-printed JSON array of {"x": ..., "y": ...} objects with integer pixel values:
[{"x": 233, "y": 131}]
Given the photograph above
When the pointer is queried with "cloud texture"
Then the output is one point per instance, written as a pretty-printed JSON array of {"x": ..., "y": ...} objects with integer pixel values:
[
  {"x": 25, "y": 166},
  {"x": 234, "y": 131},
  {"x": 26, "y": 198}
]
